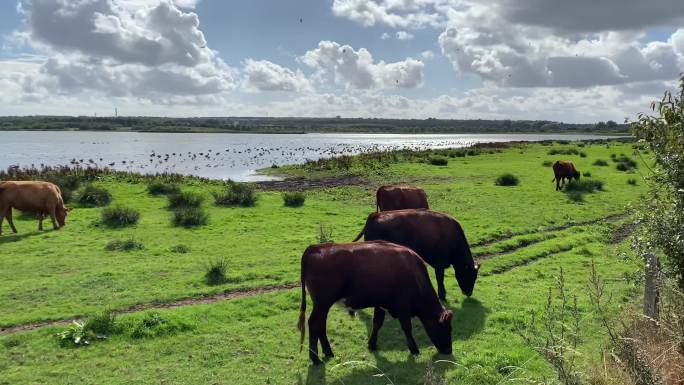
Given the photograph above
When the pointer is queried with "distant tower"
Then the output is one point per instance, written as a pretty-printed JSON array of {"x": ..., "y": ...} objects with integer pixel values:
[{"x": 116, "y": 112}]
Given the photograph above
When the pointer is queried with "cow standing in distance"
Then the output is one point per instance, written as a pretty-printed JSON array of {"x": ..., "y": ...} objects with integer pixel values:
[
  {"x": 381, "y": 275},
  {"x": 562, "y": 170},
  {"x": 41, "y": 198},
  {"x": 438, "y": 239},
  {"x": 398, "y": 197}
]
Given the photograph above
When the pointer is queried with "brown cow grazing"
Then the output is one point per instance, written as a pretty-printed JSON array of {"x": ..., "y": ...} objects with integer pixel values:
[
  {"x": 562, "y": 170},
  {"x": 400, "y": 197},
  {"x": 41, "y": 198},
  {"x": 381, "y": 275},
  {"x": 438, "y": 238}
]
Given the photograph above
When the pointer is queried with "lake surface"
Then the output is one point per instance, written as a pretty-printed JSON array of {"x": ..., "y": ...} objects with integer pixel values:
[{"x": 218, "y": 156}]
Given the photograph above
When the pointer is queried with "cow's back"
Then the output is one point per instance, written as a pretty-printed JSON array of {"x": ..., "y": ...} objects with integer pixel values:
[
  {"x": 365, "y": 274},
  {"x": 432, "y": 235},
  {"x": 563, "y": 168},
  {"x": 29, "y": 196},
  {"x": 401, "y": 197}
]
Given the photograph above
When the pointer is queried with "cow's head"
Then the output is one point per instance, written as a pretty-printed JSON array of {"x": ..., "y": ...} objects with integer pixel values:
[
  {"x": 438, "y": 328},
  {"x": 61, "y": 214},
  {"x": 576, "y": 175},
  {"x": 466, "y": 277}
]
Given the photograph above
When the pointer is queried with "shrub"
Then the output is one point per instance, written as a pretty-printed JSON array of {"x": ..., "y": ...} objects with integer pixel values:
[
  {"x": 120, "y": 216},
  {"x": 180, "y": 249},
  {"x": 82, "y": 333},
  {"x": 124, "y": 245},
  {"x": 582, "y": 154},
  {"x": 625, "y": 163},
  {"x": 575, "y": 196},
  {"x": 102, "y": 324},
  {"x": 547, "y": 163},
  {"x": 632, "y": 181},
  {"x": 216, "y": 272},
  {"x": 507, "y": 180},
  {"x": 236, "y": 194},
  {"x": 190, "y": 217},
  {"x": 94, "y": 196},
  {"x": 600, "y": 162},
  {"x": 438, "y": 161},
  {"x": 161, "y": 188},
  {"x": 586, "y": 174},
  {"x": 67, "y": 184},
  {"x": 584, "y": 185},
  {"x": 155, "y": 325},
  {"x": 294, "y": 199},
  {"x": 185, "y": 199}
]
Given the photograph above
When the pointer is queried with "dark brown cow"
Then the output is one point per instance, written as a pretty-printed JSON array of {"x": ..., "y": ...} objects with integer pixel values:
[
  {"x": 381, "y": 275},
  {"x": 41, "y": 198},
  {"x": 400, "y": 197},
  {"x": 438, "y": 238},
  {"x": 562, "y": 170}
]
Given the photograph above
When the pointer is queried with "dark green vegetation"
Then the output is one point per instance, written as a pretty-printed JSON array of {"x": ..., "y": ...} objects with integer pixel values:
[
  {"x": 161, "y": 188},
  {"x": 189, "y": 217},
  {"x": 216, "y": 272},
  {"x": 235, "y": 194},
  {"x": 185, "y": 199},
  {"x": 294, "y": 199},
  {"x": 521, "y": 235},
  {"x": 124, "y": 245},
  {"x": 438, "y": 160},
  {"x": 94, "y": 196},
  {"x": 298, "y": 125},
  {"x": 120, "y": 216},
  {"x": 507, "y": 180}
]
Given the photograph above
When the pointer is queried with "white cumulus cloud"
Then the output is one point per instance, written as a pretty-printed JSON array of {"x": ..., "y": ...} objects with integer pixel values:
[{"x": 266, "y": 76}]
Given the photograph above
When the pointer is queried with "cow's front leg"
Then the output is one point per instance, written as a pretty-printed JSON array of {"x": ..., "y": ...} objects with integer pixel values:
[
  {"x": 53, "y": 217},
  {"x": 41, "y": 216},
  {"x": 406, "y": 326},
  {"x": 441, "y": 291},
  {"x": 378, "y": 320}
]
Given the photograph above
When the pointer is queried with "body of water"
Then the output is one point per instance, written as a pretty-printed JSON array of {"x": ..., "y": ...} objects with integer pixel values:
[{"x": 218, "y": 156}]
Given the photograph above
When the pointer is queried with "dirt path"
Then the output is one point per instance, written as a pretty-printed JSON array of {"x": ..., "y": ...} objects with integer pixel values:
[{"x": 166, "y": 305}]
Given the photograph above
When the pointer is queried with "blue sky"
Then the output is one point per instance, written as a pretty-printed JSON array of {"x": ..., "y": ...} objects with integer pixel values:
[{"x": 529, "y": 59}]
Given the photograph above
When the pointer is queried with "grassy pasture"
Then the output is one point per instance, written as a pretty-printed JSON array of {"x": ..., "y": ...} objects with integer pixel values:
[{"x": 523, "y": 233}]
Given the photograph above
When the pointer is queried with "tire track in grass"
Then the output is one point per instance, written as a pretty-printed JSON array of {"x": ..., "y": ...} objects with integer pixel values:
[
  {"x": 499, "y": 238},
  {"x": 209, "y": 299}
]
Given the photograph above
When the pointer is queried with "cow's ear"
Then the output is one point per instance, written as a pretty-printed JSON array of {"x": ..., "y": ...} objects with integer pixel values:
[{"x": 446, "y": 316}]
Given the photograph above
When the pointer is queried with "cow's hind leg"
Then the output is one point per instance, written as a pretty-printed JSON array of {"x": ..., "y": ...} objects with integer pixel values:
[
  {"x": 378, "y": 320},
  {"x": 406, "y": 326},
  {"x": 41, "y": 216},
  {"x": 441, "y": 291},
  {"x": 2, "y": 218},
  {"x": 317, "y": 319},
  {"x": 10, "y": 220}
]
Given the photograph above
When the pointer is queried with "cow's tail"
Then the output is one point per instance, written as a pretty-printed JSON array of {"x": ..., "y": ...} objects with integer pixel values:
[
  {"x": 363, "y": 231},
  {"x": 301, "y": 324}
]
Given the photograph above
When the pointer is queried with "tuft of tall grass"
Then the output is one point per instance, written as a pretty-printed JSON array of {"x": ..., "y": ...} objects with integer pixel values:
[
  {"x": 185, "y": 199},
  {"x": 236, "y": 194},
  {"x": 547, "y": 163},
  {"x": 180, "y": 249},
  {"x": 120, "y": 216},
  {"x": 216, "y": 272},
  {"x": 124, "y": 245},
  {"x": 564, "y": 151},
  {"x": 189, "y": 217},
  {"x": 632, "y": 181},
  {"x": 325, "y": 234},
  {"x": 585, "y": 185},
  {"x": 438, "y": 160},
  {"x": 294, "y": 199},
  {"x": 507, "y": 179},
  {"x": 94, "y": 196},
  {"x": 162, "y": 188},
  {"x": 600, "y": 162},
  {"x": 155, "y": 325}
]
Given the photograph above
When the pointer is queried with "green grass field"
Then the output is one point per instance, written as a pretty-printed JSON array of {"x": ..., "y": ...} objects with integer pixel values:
[{"x": 523, "y": 234}]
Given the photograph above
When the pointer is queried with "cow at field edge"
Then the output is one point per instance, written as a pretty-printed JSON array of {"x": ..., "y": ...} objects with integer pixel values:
[
  {"x": 438, "y": 239},
  {"x": 382, "y": 275},
  {"x": 41, "y": 198},
  {"x": 400, "y": 197},
  {"x": 562, "y": 170}
]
